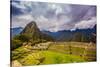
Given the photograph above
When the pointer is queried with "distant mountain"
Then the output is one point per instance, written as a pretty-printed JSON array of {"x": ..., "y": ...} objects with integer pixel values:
[
  {"x": 80, "y": 35},
  {"x": 16, "y": 31},
  {"x": 30, "y": 34},
  {"x": 33, "y": 32},
  {"x": 60, "y": 35}
]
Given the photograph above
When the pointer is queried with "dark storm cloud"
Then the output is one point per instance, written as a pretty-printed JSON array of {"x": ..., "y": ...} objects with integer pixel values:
[{"x": 53, "y": 16}]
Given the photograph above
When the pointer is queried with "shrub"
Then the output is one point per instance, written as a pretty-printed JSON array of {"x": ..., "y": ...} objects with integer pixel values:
[
  {"x": 15, "y": 44},
  {"x": 22, "y": 37},
  {"x": 18, "y": 40}
]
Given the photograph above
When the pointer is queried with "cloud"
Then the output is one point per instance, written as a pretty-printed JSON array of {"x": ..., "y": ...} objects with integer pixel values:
[
  {"x": 84, "y": 24},
  {"x": 18, "y": 5},
  {"x": 53, "y": 16},
  {"x": 21, "y": 20}
]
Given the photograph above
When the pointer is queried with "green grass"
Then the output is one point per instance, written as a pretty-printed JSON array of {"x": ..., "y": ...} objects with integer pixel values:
[
  {"x": 66, "y": 49},
  {"x": 20, "y": 53},
  {"x": 49, "y": 57},
  {"x": 28, "y": 60},
  {"x": 57, "y": 57},
  {"x": 56, "y": 54}
]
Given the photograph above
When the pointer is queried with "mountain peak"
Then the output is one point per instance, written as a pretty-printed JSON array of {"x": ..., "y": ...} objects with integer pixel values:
[
  {"x": 34, "y": 34},
  {"x": 30, "y": 28},
  {"x": 32, "y": 23}
]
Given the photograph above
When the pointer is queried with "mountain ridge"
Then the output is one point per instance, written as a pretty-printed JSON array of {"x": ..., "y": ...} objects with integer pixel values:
[
  {"x": 64, "y": 35},
  {"x": 67, "y": 35}
]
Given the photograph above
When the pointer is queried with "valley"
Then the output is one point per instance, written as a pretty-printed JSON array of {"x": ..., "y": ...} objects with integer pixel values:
[{"x": 55, "y": 52}]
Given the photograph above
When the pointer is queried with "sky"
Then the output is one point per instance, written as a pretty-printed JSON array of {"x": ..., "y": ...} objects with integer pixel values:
[{"x": 53, "y": 17}]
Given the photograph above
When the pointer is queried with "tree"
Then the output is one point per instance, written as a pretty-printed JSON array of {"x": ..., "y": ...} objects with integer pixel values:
[
  {"x": 15, "y": 44},
  {"x": 18, "y": 40},
  {"x": 22, "y": 37},
  {"x": 77, "y": 37}
]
